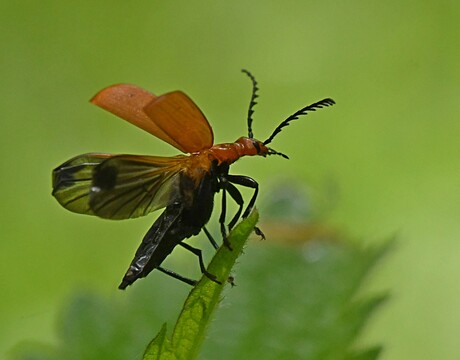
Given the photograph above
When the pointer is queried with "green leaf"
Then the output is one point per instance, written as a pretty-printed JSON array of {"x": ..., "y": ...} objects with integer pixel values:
[
  {"x": 190, "y": 329},
  {"x": 368, "y": 354},
  {"x": 159, "y": 345}
]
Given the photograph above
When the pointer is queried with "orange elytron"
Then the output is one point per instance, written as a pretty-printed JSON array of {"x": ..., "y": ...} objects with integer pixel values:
[{"x": 129, "y": 186}]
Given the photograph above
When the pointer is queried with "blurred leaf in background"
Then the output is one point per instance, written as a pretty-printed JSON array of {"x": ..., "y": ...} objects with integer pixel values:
[{"x": 265, "y": 316}]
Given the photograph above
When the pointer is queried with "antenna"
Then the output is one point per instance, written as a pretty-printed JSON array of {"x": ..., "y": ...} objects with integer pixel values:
[
  {"x": 252, "y": 103},
  {"x": 274, "y": 152},
  {"x": 301, "y": 112}
]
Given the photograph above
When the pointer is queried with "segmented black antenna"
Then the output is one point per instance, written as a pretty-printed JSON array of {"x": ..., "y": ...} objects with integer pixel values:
[
  {"x": 274, "y": 152},
  {"x": 295, "y": 116},
  {"x": 252, "y": 103}
]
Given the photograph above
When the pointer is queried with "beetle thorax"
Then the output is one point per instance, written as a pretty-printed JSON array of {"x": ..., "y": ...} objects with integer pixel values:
[{"x": 230, "y": 152}]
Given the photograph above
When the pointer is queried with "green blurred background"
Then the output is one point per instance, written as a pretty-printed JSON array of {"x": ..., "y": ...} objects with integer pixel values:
[{"x": 390, "y": 144}]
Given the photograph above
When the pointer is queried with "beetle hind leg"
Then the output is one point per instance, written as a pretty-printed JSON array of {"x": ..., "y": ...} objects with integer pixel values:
[
  {"x": 199, "y": 254},
  {"x": 177, "y": 276}
]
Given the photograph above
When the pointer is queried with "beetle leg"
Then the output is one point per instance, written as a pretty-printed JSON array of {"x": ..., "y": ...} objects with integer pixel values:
[
  {"x": 177, "y": 276},
  {"x": 198, "y": 253},
  {"x": 247, "y": 182},
  {"x": 250, "y": 183},
  {"x": 210, "y": 238},
  {"x": 223, "y": 183},
  {"x": 236, "y": 195}
]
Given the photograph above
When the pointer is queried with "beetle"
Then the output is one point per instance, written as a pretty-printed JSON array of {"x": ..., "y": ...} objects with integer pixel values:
[{"x": 129, "y": 186}]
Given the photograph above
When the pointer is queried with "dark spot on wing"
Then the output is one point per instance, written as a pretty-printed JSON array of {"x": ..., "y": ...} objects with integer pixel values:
[{"x": 105, "y": 177}]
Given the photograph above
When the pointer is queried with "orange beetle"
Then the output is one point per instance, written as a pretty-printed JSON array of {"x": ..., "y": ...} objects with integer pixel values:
[{"x": 129, "y": 186}]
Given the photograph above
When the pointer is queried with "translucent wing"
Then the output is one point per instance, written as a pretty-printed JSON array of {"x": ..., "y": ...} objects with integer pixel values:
[
  {"x": 172, "y": 117},
  {"x": 117, "y": 186},
  {"x": 72, "y": 182}
]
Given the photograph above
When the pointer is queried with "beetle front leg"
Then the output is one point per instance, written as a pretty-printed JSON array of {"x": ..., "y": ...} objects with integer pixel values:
[
  {"x": 247, "y": 182},
  {"x": 223, "y": 185},
  {"x": 250, "y": 183}
]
